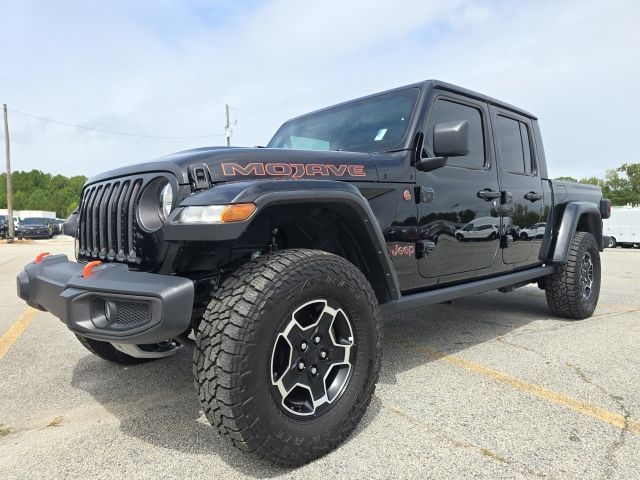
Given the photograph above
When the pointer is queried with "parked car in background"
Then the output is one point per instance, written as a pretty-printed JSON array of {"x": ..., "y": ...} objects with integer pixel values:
[
  {"x": 58, "y": 223},
  {"x": 4, "y": 225},
  {"x": 536, "y": 231},
  {"x": 483, "y": 228},
  {"x": 623, "y": 228},
  {"x": 36, "y": 227}
]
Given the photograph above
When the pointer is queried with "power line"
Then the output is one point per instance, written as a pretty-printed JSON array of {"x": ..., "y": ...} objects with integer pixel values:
[{"x": 113, "y": 132}]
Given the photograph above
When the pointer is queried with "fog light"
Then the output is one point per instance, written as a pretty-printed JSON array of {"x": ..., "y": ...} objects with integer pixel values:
[{"x": 110, "y": 311}]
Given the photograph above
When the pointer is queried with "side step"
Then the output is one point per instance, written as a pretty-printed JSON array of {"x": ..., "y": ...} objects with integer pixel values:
[{"x": 413, "y": 301}]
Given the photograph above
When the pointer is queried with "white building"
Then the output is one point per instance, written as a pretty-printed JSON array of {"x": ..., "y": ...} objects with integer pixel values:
[{"x": 29, "y": 213}]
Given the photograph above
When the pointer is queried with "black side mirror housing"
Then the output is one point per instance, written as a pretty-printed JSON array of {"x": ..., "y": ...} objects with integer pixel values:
[
  {"x": 426, "y": 164},
  {"x": 450, "y": 139},
  {"x": 70, "y": 227}
]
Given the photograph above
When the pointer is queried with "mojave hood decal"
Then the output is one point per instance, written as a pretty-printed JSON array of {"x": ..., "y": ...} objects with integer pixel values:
[
  {"x": 268, "y": 163},
  {"x": 293, "y": 170},
  {"x": 230, "y": 164}
]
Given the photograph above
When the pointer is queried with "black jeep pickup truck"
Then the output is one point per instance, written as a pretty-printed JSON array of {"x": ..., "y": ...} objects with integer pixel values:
[{"x": 280, "y": 261}]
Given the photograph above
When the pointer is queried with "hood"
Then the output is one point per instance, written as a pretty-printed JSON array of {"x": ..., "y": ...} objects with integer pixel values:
[{"x": 231, "y": 164}]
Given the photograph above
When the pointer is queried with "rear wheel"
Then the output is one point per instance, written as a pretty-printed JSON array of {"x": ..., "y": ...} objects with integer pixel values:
[
  {"x": 573, "y": 289},
  {"x": 287, "y": 355},
  {"x": 612, "y": 242}
]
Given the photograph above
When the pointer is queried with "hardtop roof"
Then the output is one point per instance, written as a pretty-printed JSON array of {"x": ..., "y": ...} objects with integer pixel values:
[{"x": 439, "y": 84}]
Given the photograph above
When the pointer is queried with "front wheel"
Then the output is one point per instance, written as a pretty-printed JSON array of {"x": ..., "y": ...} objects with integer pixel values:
[
  {"x": 573, "y": 289},
  {"x": 287, "y": 355},
  {"x": 613, "y": 243}
]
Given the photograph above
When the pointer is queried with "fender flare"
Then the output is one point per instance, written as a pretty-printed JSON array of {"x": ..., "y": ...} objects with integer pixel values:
[
  {"x": 266, "y": 194},
  {"x": 567, "y": 225}
]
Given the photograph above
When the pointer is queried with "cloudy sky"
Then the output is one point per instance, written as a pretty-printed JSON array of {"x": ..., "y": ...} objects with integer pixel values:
[{"x": 166, "y": 69}]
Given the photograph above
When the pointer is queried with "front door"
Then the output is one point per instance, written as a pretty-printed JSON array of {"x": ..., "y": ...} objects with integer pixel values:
[
  {"x": 459, "y": 218},
  {"x": 519, "y": 178}
]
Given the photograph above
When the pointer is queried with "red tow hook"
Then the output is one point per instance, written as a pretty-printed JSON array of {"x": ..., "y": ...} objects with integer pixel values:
[
  {"x": 40, "y": 256},
  {"x": 87, "y": 270}
]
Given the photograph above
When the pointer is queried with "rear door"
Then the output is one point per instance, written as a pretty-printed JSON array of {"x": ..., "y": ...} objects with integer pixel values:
[
  {"x": 523, "y": 196},
  {"x": 461, "y": 215}
]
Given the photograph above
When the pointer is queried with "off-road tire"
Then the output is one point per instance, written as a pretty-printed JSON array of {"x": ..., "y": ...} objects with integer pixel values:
[
  {"x": 106, "y": 351},
  {"x": 231, "y": 360},
  {"x": 563, "y": 288}
]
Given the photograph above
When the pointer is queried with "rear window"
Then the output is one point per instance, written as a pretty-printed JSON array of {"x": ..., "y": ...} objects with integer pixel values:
[{"x": 514, "y": 145}]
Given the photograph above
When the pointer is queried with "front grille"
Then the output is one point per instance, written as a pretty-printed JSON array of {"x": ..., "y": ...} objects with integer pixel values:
[{"x": 106, "y": 223}]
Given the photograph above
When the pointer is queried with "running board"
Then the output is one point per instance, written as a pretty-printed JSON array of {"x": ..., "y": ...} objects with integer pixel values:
[{"x": 413, "y": 301}]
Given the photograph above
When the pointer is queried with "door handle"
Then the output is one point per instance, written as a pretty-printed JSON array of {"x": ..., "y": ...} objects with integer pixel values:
[
  {"x": 488, "y": 194},
  {"x": 533, "y": 196}
]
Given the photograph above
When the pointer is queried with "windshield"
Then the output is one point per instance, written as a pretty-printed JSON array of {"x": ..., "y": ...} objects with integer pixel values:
[
  {"x": 375, "y": 124},
  {"x": 35, "y": 221}
]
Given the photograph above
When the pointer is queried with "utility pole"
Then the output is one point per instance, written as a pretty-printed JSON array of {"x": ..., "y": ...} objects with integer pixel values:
[
  {"x": 227, "y": 127},
  {"x": 9, "y": 183}
]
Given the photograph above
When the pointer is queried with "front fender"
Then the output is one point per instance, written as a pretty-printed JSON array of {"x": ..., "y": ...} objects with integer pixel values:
[{"x": 266, "y": 194}]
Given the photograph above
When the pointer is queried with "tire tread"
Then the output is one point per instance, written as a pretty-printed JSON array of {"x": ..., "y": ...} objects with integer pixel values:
[{"x": 228, "y": 329}]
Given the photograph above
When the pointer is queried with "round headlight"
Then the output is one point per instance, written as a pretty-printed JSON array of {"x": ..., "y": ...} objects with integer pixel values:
[
  {"x": 155, "y": 204},
  {"x": 166, "y": 201}
]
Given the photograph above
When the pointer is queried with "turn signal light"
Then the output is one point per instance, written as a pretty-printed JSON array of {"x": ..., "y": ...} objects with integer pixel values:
[{"x": 237, "y": 212}]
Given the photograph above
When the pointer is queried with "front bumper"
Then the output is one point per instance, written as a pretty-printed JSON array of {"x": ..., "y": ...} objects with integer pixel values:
[{"x": 113, "y": 304}]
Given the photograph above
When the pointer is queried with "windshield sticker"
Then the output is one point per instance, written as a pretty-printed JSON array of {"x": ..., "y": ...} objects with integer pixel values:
[{"x": 380, "y": 134}]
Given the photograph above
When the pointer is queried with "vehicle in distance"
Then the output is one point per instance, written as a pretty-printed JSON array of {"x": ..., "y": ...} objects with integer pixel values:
[
  {"x": 484, "y": 228},
  {"x": 57, "y": 225},
  {"x": 535, "y": 231},
  {"x": 4, "y": 225},
  {"x": 282, "y": 260},
  {"x": 35, "y": 227},
  {"x": 623, "y": 227}
]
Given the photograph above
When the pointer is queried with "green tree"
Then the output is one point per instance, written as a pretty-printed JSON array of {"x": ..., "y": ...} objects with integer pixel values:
[{"x": 36, "y": 190}]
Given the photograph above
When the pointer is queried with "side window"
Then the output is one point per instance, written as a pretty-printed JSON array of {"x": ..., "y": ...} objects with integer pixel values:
[
  {"x": 447, "y": 111},
  {"x": 515, "y": 146}
]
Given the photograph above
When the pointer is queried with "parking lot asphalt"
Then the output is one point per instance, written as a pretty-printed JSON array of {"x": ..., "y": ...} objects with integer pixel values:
[{"x": 490, "y": 386}]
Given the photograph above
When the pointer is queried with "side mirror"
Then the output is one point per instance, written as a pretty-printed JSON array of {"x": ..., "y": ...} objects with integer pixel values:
[
  {"x": 450, "y": 139},
  {"x": 426, "y": 164}
]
